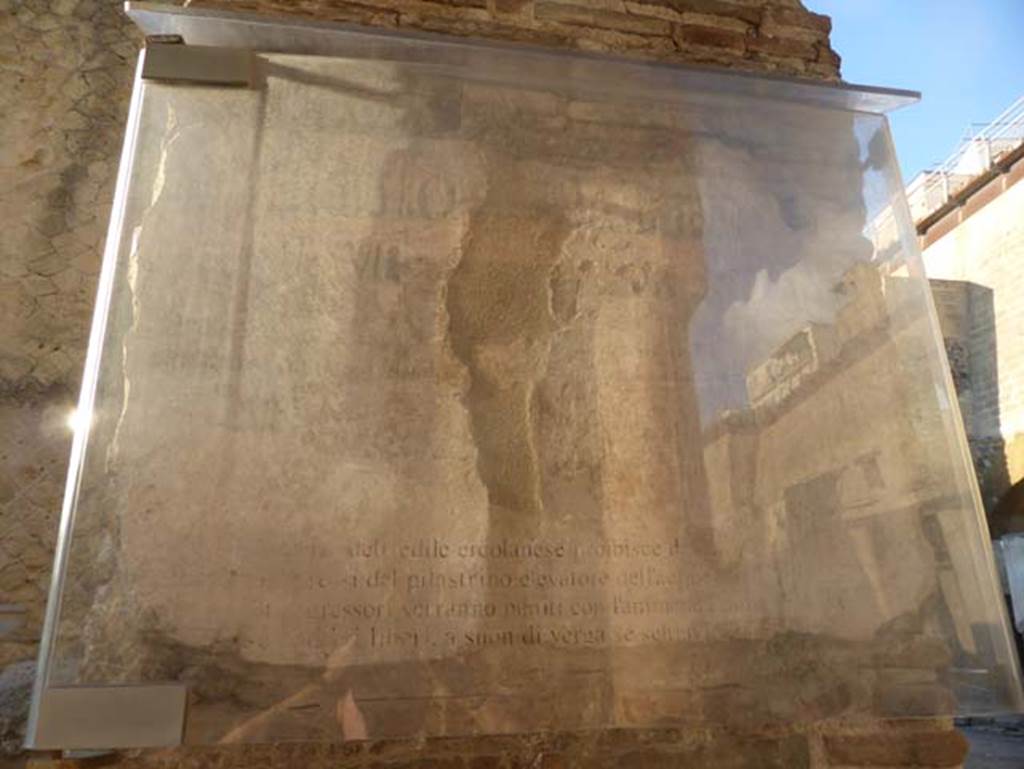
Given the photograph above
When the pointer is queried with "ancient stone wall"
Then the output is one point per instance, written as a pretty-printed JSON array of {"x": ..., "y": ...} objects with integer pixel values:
[
  {"x": 66, "y": 73},
  {"x": 65, "y": 77},
  {"x": 64, "y": 86},
  {"x": 906, "y": 744},
  {"x": 760, "y": 35}
]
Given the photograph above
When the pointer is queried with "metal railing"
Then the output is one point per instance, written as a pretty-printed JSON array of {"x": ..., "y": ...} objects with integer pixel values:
[{"x": 978, "y": 151}]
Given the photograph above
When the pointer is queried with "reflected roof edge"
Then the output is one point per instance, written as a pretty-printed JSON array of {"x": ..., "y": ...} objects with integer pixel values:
[{"x": 289, "y": 34}]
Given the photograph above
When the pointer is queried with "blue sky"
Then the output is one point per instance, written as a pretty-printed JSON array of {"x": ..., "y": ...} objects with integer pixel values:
[{"x": 965, "y": 56}]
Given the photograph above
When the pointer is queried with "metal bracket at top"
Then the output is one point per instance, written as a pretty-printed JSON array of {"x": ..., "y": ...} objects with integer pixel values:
[{"x": 172, "y": 61}]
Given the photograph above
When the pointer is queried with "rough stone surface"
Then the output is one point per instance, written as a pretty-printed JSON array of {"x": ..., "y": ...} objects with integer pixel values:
[
  {"x": 773, "y": 35},
  {"x": 66, "y": 68},
  {"x": 65, "y": 72},
  {"x": 606, "y": 750},
  {"x": 535, "y": 269},
  {"x": 15, "y": 691},
  {"x": 903, "y": 748}
]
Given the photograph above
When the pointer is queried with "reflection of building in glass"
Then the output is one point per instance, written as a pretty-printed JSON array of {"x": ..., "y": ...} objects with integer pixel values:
[
  {"x": 802, "y": 354},
  {"x": 871, "y": 498},
  {"x": 817, "y": 345}
]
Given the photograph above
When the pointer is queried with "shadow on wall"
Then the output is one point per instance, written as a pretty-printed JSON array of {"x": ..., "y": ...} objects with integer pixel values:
[{"x": 1008, "y": 514}]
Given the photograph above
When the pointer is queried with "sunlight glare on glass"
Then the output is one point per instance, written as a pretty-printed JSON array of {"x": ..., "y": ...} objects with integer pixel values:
[{"x": 78, "y": 420}]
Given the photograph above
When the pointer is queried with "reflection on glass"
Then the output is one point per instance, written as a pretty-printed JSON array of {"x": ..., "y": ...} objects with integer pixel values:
[{"x": 425, "y": 400}]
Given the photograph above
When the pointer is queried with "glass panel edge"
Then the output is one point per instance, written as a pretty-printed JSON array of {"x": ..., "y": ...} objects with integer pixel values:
[
  {"x": 987, "y": 571},
  {"x": 278, "y": 33},
  {"x": 86, "y": 400}
]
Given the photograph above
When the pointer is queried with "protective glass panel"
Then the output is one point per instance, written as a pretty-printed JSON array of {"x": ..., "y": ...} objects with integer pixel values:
[{"x": 430, "y": 402}]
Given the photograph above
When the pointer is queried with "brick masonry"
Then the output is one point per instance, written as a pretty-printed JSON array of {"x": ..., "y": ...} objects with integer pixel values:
[
  {"x": 897, "y": 745},
  {"x": 780, "y": 36},
  {"x": 65, "y": 71}
]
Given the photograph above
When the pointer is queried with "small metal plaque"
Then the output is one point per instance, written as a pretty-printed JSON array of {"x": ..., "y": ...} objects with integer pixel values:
[
  {"x": 102, "y": 717},
  {"x": 201, "y": 64}
]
